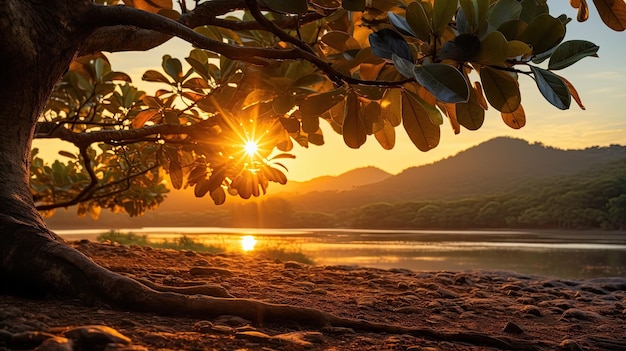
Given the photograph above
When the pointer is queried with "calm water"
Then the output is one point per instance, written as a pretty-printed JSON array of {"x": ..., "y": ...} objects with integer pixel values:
[{"x": 559, "y": 254}]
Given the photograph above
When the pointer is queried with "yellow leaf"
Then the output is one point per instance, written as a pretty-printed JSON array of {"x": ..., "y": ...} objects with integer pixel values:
[
  {"x": 417, "y": 123},
  {"x": 354, "y": 132},
  {"x": 583, "y": 11},
  {"x": 386, "y": 137},
  {"x": 518, "y": 48},
  {"x": 613, "y": 13},
  {"x": 143, "y": 117},
  {"x": 480, "y": 96},
  {"x": 501, "y": 89},
  {"x": 515, "y": 119}
]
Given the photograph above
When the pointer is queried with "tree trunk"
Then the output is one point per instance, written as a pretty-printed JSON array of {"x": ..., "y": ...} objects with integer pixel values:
[{"x": 39, "y": 40}]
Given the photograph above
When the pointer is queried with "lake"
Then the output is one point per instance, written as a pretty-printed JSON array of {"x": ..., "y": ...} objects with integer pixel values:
[{"x": 572, "y": 255}]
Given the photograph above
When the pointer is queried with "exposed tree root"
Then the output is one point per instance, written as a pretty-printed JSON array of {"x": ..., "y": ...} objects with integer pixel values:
[{"x": 33, "y": 260}]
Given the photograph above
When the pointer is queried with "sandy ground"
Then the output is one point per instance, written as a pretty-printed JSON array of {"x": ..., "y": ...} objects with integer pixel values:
[{"x": 468, "y": 310}]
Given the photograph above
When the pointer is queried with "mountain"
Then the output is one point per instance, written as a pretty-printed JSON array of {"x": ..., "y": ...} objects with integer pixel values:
[
  {"x": 343, "y": 182},
  {"x": 491, "y": 166}
]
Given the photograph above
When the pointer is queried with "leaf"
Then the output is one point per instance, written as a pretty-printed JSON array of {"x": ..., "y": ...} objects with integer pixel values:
[
  {"x": 316, "y": 104},
  {"x": 149, "y": 5},
  {"x": 372, "y": 117},
  {"x": 400, "y": 23},
  {"x": 386, "y": 137},
  {"x": 354, "y": 132},
  {"x": 513, "y": 30},
  {"x": 405, "y": 67},
  {"x": 493, "y": 49},
  {"x": 154, "y": 76},
  {"x": 422, "y": 132},
  {"x": 503, "y": 11},
  {"x": 354, "y": 5},
  {"x": 501, "y": 89},
  {"x": 469, "y": 12},
  {"x": 288, "y": 6},
  {"x": 340, "y": 41},
  {"x": 391, "y": 105},
  {"x": 173, "y": 68},
  {"x": 218, "y": 195},
  {"x": 67, "y": 154},
  {"x": 613, "y": 13},
  {"x": 543, "y": 33},
  {"x": 442, "y": 14},
  {"x": 552, "y": 87},
  {"x": 517, "y": 48},
  {"x": 571, "y": 52},
  {"x": 443, "y": 81},
  {"x": 533, "y": 8},
  {"x": 515, "y": 119},
  {"x": 573, "y": 92},
  {"x": 387, "y": 42},
  {"x": 144, "y": 116},
  {"x": 201, "y": 188},
  {"x": 470, "y": 114},
  {"x": 418, "y": 21},
  {"x": 111, "y": 76}
]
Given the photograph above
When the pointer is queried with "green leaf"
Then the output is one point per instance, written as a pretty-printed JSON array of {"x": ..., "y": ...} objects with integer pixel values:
[
  {"x": 503, "y": 11},
  {"x": 552, "y": 88},
  {"x": 468, "y": 12},
  {"x": 501, "y": 89},
  {"x": 571, "y": 52},
  {"x": 400, "y": 23},
  {"x": 173, "y": 68},
  {"x": 493, "y": 49},
  {"x": 418, "y": 21},
  {"x": 543, "y": 33},
  {"x": 288, "y": 6},
  {"x": 354, "y": 132},
  {"x": 354, "y": 5},
  {"x": 405, "y": 67},
  {"x": 531, "y": 9},
  {"x": 154, "y": 76},
  {"x": 420, "y": 129},
  {"x": 316, "y": 104},
  {"x": 442, "y": 14},
  {"x": 470, "y": 114},
  {"x": 387, "y": 42},
  {"x": 513, "y": 30},
  {"x": 443, "y": 81}
]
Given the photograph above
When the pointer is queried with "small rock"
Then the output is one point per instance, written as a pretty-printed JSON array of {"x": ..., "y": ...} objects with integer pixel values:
[
  {"x": 56, "y": 343},
  {"x": 513, "y": 328},
  {"x": 96, "y": 334},
  {"x": 202, "y": 327},
  {"x": 202, "y": 271},
  {"x": 302, "y": 339},
  {"x": 293, "y": 265},
  {"x": 222, "y": 329},
  {"x": 532, "y": 310},
  {"x": 570, "y": 345},
  {"x": 254, "y": 336},
  {"x": 233, "y": 321},
  {"x": 581, "y": 315},
  {"x": 447, "y": 294}
]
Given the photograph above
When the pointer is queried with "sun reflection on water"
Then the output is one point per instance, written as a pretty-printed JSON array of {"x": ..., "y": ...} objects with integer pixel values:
[{"x": 248, "y": 242}]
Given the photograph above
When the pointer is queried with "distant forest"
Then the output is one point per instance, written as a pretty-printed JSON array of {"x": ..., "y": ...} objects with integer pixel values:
[{"x": 594, "y": 199}]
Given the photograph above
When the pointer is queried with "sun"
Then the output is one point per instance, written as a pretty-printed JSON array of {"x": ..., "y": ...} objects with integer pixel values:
[
  {"x": 248, "y": 242},
  {"x": 251, "y": 148}
]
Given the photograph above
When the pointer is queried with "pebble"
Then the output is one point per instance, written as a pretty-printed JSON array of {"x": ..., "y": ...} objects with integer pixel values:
[
  {"x": 203, "y": 271},
  {"x": 96, "y": 334},
  {"x": 513, "y": 328},
  {"x": 56, "y": 343}
]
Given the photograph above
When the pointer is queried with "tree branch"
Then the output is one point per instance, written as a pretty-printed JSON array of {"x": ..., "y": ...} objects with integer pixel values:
[
  {"x": 255, "y": 10},
  {"x": 110, "y": 136}
]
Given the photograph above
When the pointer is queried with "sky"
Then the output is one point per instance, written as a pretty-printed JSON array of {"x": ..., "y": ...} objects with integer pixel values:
[{"x": 600, "y": 83}]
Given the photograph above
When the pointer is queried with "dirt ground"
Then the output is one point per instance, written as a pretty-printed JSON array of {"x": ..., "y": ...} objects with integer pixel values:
[{"x": 468, "y": 310}]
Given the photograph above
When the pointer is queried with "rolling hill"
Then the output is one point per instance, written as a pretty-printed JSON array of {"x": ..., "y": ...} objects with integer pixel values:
[{"x": 494, "y": 166}]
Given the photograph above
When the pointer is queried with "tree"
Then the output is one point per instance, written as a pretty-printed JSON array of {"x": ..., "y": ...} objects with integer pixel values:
[{"x": 262, "y": 77}]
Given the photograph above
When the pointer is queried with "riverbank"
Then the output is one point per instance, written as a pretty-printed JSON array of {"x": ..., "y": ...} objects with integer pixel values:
[{"x": 464, "y": 310}]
